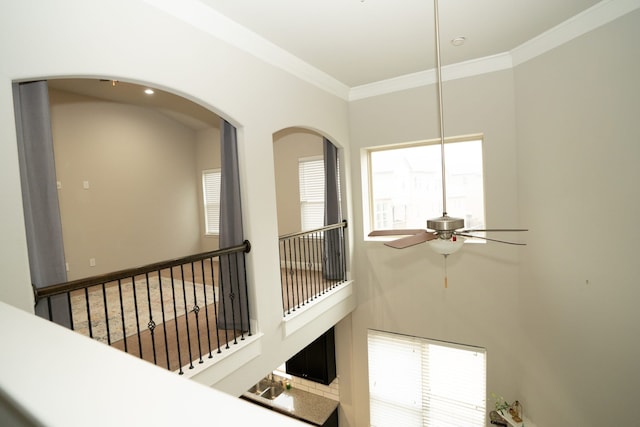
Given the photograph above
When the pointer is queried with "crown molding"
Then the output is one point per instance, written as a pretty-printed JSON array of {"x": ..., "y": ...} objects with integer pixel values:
[
  {"x": 600, "y": 14},
  {"x": 208, "y": 20},
  {"x": 460, "y": 70},
  {"x": 596, "y": 16}
]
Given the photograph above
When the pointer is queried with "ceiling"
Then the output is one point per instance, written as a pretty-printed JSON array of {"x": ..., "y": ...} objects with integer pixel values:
[
  {"x": 359, "y": 42},
  {"x": 180, "y": 109}
]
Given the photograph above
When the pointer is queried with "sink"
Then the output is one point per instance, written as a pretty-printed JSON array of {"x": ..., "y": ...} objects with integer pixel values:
[
  {"x": 267, "y": 389},
  {"x": 273, "y": 392},
  {"x": 261, "y": 386}
]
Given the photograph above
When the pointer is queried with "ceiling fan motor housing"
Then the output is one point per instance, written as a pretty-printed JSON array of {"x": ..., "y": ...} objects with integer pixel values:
[{"x": 445, "y": 225}]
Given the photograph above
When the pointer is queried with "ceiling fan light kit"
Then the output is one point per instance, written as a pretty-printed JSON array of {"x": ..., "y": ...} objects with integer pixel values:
[{"x": 446, "y": 247}]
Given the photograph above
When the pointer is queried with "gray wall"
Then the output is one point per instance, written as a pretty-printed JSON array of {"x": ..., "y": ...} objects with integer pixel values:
[
  {"x": 558, "y": 317},
  {"x": 578, "y": 151},
  {"x": 403, "y": 290}
]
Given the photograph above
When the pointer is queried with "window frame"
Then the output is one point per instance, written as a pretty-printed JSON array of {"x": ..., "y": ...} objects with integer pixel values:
[
  {"x": 405, "y": 393},
  {"x": 369, "y": 203}
]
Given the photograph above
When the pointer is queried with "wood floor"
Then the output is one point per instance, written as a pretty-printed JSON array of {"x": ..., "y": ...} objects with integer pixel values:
[
  {"x": 188, "y": 339},
  {"x": 177, "y": 342}
]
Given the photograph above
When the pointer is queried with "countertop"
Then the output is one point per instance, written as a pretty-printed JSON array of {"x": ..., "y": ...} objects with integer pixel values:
[{"x": 299, "y": 404}]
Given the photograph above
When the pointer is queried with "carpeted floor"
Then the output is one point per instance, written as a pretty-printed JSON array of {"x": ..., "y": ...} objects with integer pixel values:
[{"x": 112, "y": 309}]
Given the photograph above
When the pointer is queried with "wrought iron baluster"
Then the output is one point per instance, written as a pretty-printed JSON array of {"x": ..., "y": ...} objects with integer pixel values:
[
  {"x": 289, "y": 283},
  {"x": 122, "y": 317},
  {"x": 71, "y": 325},
  {"x": 206, "y": 305},
  {"x": 135, "y": 308},
  {"x": 215, "y": 303},
  {"x": 175, "y": 321},
  {"x": 196, "y": 310},
  {"x": 86, "y": 297},
  {"x": 305, "y": 269},
  {"x": 297, "y": 275},
  {"x": 319, "y": 254},
  {"x": 152, "y": 324},
  {"x": 231, "y": 301},
  {"x": 186, "y": 316},
  {"x": 164, "y": 318},
  {"x": 106, "y": 312}
]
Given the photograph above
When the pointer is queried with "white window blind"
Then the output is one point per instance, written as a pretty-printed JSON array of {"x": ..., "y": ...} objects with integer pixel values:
[
  {"x": 211, "y": 195},
  {"x": 311, "y": 177},
  {"x": 418, "y": 382}
]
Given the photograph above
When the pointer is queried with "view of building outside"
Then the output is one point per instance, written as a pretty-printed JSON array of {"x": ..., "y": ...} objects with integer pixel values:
[{"x": 406, "y": 185}]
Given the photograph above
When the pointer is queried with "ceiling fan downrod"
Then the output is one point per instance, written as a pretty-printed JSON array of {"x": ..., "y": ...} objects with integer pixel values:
[{"x": 444, "y": 225}]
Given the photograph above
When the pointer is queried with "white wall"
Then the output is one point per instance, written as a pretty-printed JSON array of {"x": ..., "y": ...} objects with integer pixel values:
[
  {"x": 123, "y": 390},
  {"x": 565, "y": 132},
  {"x": 130, "y": 40},
  {"x": 578, "y": 132}
]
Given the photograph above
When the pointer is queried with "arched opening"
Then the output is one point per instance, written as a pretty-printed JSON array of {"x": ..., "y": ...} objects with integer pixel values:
[
  {"x": 310, "y": 222},
  {"x": 122, "y": 189}
]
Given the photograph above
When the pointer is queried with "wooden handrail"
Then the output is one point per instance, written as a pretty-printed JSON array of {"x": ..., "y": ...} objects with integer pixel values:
[
  {"x": 61, "y": 288},
  {"x": 342, "y": 224}
]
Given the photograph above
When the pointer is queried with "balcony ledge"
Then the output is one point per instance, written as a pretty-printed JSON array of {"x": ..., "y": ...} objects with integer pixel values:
[{"x": 332, "y": 306}]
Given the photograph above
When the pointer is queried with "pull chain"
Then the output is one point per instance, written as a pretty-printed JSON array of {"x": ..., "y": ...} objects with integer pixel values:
[{"x": 446, "y": 280}]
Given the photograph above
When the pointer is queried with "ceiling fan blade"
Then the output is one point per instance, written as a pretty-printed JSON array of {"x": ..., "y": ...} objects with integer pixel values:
[
  {"x": 476, "y": 230},
  {"x": 491, "y": 240},
  {"x": 406, "y": 232},
  {"x": 421, "y": 237}
]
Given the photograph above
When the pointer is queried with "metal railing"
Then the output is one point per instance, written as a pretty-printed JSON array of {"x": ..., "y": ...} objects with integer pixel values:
[
  {"x": 311, "y": 264},
  {"x": 170, "y": 313}
]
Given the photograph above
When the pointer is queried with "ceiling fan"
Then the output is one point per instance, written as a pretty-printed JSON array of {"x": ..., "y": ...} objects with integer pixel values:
[{"x": 447, "y": 233}]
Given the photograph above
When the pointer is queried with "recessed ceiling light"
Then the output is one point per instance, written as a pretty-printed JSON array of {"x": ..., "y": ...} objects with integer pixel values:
[
  {"x": 149, "y": 91},
  {"x": 458, "y": 41}
]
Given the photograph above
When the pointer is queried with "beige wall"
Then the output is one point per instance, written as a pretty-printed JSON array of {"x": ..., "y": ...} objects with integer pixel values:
[
  {"x": 87, "y": 40},
  {"x": 575, "y": 356},
  {"x": 207, "y": 157},
  {"x": 142, "y": 202},
  {"x": 403, "y": 291},
  {"x": 578, "y": 132},
  {"x": 289, "y": 146}
]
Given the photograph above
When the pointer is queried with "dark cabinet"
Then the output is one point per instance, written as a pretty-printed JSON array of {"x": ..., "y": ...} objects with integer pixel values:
[
  {"x": 332, "y": 421},
  {"x": 317, "y": 361}
]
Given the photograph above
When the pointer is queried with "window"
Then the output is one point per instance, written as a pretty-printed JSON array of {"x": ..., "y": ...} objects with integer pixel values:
[
  {"x": 405, "y": 184},
  {"x": 211, "y": 195},
  {"x": 311, "y": 180},
  {"x": 419, "y": 382},
  {"x": 311, "y": 176}
]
